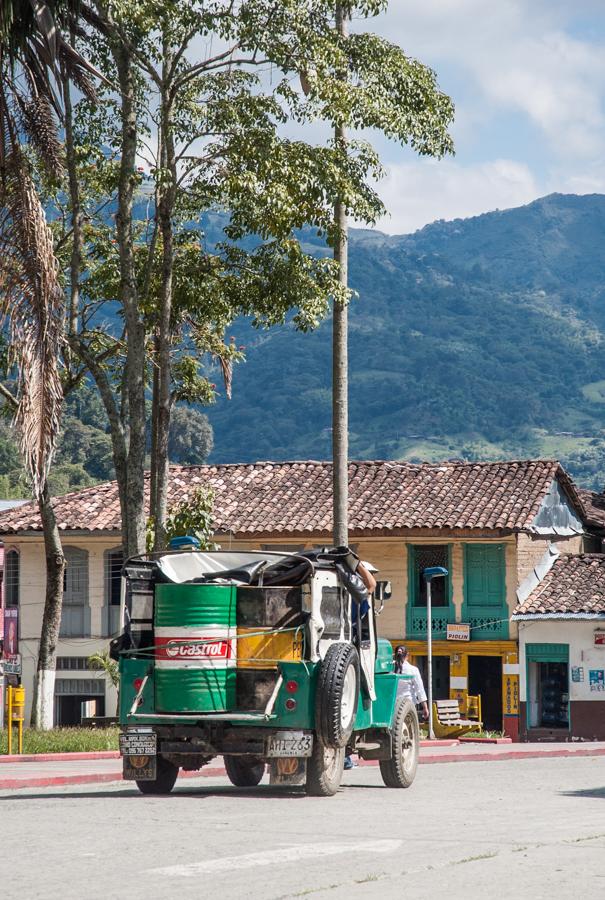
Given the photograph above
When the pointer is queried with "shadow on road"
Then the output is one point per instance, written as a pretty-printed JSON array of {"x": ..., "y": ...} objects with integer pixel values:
[
  {"x": 179, "y": 793},
  {"x": 585, "y": 792}
]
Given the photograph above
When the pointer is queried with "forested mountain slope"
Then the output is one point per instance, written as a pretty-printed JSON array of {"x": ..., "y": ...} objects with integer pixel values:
[{"x": 477, "y": 338}]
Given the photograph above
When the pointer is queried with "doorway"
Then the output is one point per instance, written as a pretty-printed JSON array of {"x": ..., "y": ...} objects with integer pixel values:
[
  {"x": 441, "y": 675},
  {"x": 71, "y": 709},
  {"x": 485, "y": 678}
]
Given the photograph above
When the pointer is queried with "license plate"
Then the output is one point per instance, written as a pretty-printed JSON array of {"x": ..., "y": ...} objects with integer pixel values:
[
  {"x": 138, "y": 743},
  {"x": 140, "y": 768},
  {"x": 289, "y": 743}
]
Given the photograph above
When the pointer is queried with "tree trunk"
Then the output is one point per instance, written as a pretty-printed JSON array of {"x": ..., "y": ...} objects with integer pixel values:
[
  {"x": 44, "y": 684},
  {"x": 133, "y": 523},
  {"x": 340, "y": 380},
  {"x": 162, "y": 403}
]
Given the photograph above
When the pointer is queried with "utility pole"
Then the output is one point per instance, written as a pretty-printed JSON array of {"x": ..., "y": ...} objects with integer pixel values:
[
  {"x": 340, "y": 375},
  {"x": 428, "y": 575}
]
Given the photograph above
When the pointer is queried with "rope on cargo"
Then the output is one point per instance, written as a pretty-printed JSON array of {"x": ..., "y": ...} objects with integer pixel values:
[{"x": 185, "y": 642}]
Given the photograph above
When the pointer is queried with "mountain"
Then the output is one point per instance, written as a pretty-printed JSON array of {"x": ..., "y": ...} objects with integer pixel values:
[{"x": 477, "y": 339}]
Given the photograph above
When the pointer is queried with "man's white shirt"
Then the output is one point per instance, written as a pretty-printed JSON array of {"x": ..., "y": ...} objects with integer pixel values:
[{"x": 414, "y": 686}]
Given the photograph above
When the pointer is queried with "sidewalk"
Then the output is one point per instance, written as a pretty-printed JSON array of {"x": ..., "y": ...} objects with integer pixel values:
[{"x": 51, "y": 770}]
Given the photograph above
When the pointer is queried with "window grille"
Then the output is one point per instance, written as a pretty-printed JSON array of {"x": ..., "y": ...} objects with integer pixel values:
[
  {"x": 114, "y": 560},
  {"x": 424, "y": 558},
  {"x": 11, "y": 578}
]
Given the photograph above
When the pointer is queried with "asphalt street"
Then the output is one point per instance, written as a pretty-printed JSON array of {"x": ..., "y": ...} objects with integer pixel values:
[{"x": 530, "y": 828}]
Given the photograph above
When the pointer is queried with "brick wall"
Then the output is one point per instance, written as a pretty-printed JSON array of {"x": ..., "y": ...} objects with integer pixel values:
[{"x": 531, "y": 548}]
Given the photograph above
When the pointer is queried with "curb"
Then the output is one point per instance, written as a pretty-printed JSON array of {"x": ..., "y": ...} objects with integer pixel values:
[
  {"x": 115, "y": 754},
  {"x": 59, "y": 757},
  {"x": 219, "y": 770},
  {"x": 7, "y": 784}
]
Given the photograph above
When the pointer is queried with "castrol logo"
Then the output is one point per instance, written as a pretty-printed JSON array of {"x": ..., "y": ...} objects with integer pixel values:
[
  {"x": 213, "y": 650},
  {"x": 198, "y": 648}
]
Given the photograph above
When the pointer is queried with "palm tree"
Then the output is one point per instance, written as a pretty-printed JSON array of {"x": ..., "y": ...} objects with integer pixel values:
[{"x": 33, "y": 58}]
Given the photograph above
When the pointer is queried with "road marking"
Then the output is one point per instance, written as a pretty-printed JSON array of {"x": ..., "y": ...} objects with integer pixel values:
[{"x": 275, "y": 857}]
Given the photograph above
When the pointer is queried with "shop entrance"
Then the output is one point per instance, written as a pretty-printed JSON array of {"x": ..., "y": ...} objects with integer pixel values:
[
  {"x": 78, "y": 697},
  {"x": 70, "y": 710},
  {"x": 441, "y": 675},
  {"x": 485, "y": 678}
]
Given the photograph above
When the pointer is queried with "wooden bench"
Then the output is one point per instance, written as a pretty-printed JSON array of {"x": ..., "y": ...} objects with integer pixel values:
[{"x": 448, "y": 722}]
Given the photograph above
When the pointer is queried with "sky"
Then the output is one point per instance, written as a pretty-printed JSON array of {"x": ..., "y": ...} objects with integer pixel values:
[{"x": 528, "y": 81}]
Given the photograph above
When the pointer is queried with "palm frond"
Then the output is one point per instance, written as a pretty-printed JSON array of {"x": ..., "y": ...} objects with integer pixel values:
[
  {"x": 39, "y": 125},
  {"x": 33, "y": 300},
  {"x": 227, "y": 371}
]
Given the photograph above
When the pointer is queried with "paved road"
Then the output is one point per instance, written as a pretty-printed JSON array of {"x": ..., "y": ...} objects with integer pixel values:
[{"x": 531, "y": 828}]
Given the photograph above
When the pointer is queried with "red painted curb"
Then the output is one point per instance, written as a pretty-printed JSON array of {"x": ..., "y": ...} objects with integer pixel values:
[
  {"x": 218, "y": 771},
  {"x": 59, "y": 757},
  {"x": 93, "y": 778},
  {"x": 115, "y": 754},
  {"x": 482, "y": 756}
]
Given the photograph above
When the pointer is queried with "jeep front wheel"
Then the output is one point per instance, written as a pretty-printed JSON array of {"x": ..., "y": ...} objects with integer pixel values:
[{"x": 400, "y": 769}]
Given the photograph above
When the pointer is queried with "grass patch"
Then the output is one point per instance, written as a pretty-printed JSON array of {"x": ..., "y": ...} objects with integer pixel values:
[
  {"x": 595, "y": 391},
  {"x": 63, "y": 740},
  {"x": 469, "y": 859}
]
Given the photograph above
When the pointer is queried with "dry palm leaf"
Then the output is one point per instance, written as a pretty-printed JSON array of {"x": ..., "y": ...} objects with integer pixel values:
[{"x": 33, "y": 300}]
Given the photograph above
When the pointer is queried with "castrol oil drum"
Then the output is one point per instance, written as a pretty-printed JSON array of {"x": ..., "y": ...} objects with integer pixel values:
[{"x": 195, "y": 653}]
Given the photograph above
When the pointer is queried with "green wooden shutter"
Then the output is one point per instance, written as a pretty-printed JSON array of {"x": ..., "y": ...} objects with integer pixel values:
[{"x": 484, "y": 575}]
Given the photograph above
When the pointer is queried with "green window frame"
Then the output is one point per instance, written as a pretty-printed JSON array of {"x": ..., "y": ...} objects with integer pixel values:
[
  {"x": 416, "y": 617},
  {"x": 484, "y": 604},
  {"x": 547, "y": 652},
  {"x": 544, "y": 653}
]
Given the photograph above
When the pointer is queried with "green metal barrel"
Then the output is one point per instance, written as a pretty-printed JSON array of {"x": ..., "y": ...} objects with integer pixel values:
[{"x": 195, "y": 647}]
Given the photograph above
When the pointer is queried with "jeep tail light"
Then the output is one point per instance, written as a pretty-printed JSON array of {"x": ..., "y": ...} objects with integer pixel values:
[
  {"x": 291, "y": 686},
  {"x": 290, "y": 704},
  {"x": 137, "y": 684}
]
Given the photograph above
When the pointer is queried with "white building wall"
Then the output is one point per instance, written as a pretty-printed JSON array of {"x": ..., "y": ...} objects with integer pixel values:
[
  {"x": 32, "y": 585},
  {"x": 579, "y": 634}
]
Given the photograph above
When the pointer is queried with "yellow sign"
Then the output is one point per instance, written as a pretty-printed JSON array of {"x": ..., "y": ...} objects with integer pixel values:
[{"x": 510, "y": 695}]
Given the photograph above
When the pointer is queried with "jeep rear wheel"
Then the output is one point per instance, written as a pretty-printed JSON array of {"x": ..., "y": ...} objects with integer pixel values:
[
  {"x": 400, "y": 769},
  {"x": 324, "y": 770},
  {"x": 166, "y": 775},
  {"x": 244, "y": 771},
  {"x": 337, "y": 695}
]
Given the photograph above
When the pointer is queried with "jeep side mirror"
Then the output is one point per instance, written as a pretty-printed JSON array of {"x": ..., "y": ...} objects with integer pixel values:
[{"x": 382, "y": 593}]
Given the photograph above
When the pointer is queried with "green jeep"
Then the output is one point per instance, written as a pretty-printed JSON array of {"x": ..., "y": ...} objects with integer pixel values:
[{"x": 262, "y": 658}]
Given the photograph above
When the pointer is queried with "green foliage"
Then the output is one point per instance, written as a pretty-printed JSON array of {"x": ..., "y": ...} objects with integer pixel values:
[
  {"x": 191, "y": 516},
  {"x": 191, "y": 437},
  {"x": 65, "y": 740},
  {"x": 102, "y": 661}
]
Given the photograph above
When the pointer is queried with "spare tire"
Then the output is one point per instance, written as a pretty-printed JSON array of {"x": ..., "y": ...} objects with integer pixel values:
[{"x": 337, "y": 695}]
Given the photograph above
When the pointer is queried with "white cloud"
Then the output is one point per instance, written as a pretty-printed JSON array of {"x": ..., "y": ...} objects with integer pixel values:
[
  {"x": 416, "y": 193},
  {"x": 517, "y": 55}
]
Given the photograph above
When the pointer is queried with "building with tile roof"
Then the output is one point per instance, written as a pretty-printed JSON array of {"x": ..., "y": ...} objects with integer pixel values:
[
  {"x": 561, "y": 624},
  {"x": 295, "y": 498},
  {"x": 489, "y": 524}
]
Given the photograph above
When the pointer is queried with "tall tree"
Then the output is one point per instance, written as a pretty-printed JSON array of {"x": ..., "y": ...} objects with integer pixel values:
[
  {"x": 206, "y": 91},
  {"x": 340, "y": 363},
  {"x": 32, "y": 53}
]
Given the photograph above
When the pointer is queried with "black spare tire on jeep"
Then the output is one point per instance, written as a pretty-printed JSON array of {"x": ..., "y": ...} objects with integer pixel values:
[{"x": 337, "y": 695}]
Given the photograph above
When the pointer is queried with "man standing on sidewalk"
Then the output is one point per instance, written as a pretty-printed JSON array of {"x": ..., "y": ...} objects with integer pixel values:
[{"x": 414, "y": 688}]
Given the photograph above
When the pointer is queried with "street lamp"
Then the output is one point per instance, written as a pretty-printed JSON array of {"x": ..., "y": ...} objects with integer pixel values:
[{"x": 428, "y": 575}]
